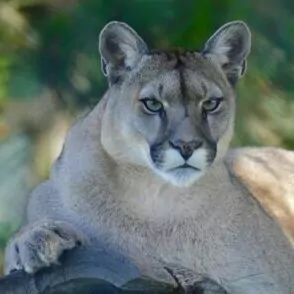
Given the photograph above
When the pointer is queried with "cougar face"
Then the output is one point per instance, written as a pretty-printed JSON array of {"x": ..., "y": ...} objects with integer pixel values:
[{"x": 171, "y": 111}]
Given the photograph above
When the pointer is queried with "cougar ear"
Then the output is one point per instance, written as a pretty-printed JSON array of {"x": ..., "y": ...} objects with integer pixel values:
[
  {"x": 229, "y": 46},
  {"x": 120, "y": 49}
]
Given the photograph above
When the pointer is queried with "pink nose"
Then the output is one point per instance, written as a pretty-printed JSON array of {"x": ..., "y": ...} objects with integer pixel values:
[{"x": 186, "y": 148}]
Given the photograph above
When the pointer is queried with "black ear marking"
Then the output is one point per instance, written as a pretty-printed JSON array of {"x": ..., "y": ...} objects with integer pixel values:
[
  {"x": 104, "y": 67},
  {"x": 244, "y": 67}
]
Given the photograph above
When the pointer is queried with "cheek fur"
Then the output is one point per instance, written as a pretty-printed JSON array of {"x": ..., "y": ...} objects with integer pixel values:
[
  {"x": 148, "y": 126},
  {"x": 218, "y": 124}
]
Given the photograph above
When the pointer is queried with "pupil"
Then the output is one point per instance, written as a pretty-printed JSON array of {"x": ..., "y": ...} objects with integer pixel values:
[
  {"x": 154, "y": 104},
  {"x": 211, "y": 104}
]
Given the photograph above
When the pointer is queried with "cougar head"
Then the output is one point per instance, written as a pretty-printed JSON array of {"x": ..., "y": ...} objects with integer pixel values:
[{"x": 171, "y": 111}]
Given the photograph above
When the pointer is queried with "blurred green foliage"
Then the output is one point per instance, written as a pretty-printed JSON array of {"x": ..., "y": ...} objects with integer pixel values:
[{"x": 53, "y": 44}]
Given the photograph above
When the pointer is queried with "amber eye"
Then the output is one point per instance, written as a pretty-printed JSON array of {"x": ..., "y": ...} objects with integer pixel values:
[
  {"x": 212, "y": 104},
  {"x": 152, "y": 105}
]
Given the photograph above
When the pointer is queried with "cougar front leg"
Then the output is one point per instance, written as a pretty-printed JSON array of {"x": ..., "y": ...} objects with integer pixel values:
[
  {"x": 191, "y": 283},
  {"x": 206, "y": 286},
  {"x": 40, "y": 245}
]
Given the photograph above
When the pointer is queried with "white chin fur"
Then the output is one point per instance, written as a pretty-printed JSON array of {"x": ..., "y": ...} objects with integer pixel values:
[{"x": 182, "y": 177}]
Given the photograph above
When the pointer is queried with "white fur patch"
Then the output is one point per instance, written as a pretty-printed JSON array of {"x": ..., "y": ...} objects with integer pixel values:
[
  {"x": 198, "y": 159},
  {"x": 179, "y": 176},
  {"x": 172, "y": 159}
]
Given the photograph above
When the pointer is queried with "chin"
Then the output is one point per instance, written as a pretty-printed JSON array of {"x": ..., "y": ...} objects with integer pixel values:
[{"x": 181, "y": 177}]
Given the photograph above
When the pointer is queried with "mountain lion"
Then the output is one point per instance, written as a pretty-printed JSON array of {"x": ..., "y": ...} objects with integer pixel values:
[{"x": 148, "y": 171}]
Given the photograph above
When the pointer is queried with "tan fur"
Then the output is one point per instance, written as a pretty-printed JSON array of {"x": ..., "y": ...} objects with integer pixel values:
[
  {"x": 268, "y": 173},
  {"x": 157, "y": 185}
]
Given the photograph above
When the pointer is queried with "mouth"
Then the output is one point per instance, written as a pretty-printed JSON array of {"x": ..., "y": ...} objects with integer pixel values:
[{"x": 185, "y": 166}]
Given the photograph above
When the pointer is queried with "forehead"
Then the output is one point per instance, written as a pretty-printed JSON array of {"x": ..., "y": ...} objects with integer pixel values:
[{"x": 176, "y": 73}]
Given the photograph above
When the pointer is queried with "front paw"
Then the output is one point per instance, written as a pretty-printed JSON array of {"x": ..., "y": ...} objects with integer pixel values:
[{"x": 40, "y": 245}]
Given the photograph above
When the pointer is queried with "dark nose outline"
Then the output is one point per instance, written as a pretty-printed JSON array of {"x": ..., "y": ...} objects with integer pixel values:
[{"x": 186, "y": 148}]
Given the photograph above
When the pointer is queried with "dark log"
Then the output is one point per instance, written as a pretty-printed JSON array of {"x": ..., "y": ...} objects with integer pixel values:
[
  {"x": 86, "y": 271},
  {"x": 96, "y": 271}
]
